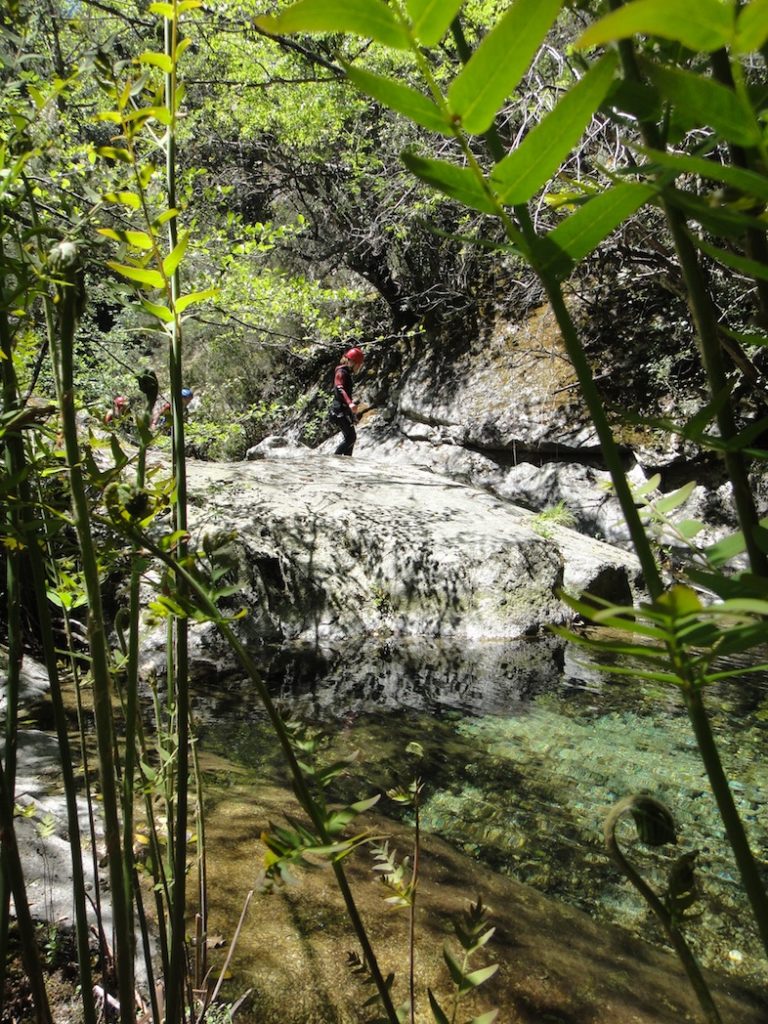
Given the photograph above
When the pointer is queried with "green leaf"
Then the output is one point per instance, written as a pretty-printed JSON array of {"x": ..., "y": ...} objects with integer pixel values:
[
  {"x": 478, "y": 977},
  {"x": 752, "y": 27},
  {"x": 163, "y": 9},
  {"x": 178, "y": 96},
  {"x": 158, "y": 311},
  {"x": 173, "y": 259},
  {"x": 165, "y": 216},
  {"x": 129, "y": 199},
  {"x": 457, "y": 182},
  {"x": 585, "y": 229},
  {"x": 650, "y": 485},
  {"x": 752, "y": 268},
  {"x": 500, "y": 61},
  {"x": 693, "y": 429},
  {"x": 454, "y": 967},
  {"x": 365, "y": 805},
  {"x": 437, "y": 1012},
  {"x": 187, "y": 300},
  {"x": 672, "y": 501},
  {"x": 402, "y": 98},
  {"x": 748, "y": 182},
  {"x": 689, "y": 528},
  {"x": 113, "y": 116},
  {"x": 158, "y": 60},
  {"x": 138, "y": 239},
  {"x": 748, "y": 605},
  {"x": 707, "y": 27},
  {"x": 113, "y": 153},
  {"x": 720, "y": 220},
  {"x": 726, "y": 549},
  {"x": 431, "y": 18},
  {"x": 161, "y": 114},
  {"x": 150, "y": 278},
  {"x": 678, "y": 601},
  {"x": 706, "y": 102},
  {"x": 521, "y": 174},
  {"x": 747, "y": 337},
  {"x": 485, "y": 1018},
  {"x": 367, "y": 18}
]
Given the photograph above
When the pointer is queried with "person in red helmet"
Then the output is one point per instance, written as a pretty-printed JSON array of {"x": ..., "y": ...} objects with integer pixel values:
[
  {"x": 344, "y": 410},
  {"x": 120, "y": 407}
]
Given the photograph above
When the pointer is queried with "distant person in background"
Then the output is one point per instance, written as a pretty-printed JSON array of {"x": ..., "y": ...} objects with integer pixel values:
[
  {"x": 162, "y": 417},
  {"x": 120, "y": 407},
  {"x": 343, "y": 410}
]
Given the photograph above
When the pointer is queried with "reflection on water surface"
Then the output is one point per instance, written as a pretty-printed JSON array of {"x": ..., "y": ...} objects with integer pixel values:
[{"x": 524, "y": 750}]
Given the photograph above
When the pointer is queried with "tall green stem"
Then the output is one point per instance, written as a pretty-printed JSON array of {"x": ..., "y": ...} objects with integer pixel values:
[
  {"x": 299, "y": 782},
  {"x": 14, "y": 461},
  {"x": 414, "y": 895},
  {"x": 675, "y": 936},
  {"x": 175, "y": 995},
  {"x": 26, "y": 528},
  {"x": 734, "y": 828},
  {"x": 605, "y": 435},
  {"x": 705, "y": 322},
  {"x": 575, "y": 351},
  {"x": 65, "y": 263}
]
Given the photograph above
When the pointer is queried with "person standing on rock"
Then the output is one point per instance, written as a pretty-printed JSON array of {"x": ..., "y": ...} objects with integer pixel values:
[{"x": 344, "y": 410}]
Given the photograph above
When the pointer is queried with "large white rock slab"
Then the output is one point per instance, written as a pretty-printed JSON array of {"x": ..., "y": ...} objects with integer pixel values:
[{"x": 331, "y": 548}]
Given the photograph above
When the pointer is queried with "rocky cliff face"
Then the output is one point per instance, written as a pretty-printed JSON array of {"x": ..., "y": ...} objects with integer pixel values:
[
  {"x": 505, "y": 414},
  {"x": 332, "y": 549}
]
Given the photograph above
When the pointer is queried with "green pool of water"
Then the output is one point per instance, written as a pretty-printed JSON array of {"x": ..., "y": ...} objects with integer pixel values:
[{"x": 523, "y": 751}]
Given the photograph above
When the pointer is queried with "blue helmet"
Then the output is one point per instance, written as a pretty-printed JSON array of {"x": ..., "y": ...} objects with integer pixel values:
[{"x": 186, "y": 392}]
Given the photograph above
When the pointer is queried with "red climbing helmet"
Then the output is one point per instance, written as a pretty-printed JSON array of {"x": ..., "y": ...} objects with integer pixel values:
[{"x": 355, "y": 356}]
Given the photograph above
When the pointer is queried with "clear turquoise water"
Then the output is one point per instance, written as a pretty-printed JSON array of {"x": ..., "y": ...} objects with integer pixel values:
[{"x": 524, "y": 750}]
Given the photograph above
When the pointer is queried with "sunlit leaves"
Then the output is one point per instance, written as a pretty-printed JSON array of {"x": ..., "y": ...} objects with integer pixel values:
[
  {"x": 472, "y": 931},
  {"x": 114, "y": 153},
  {"x": 751, "y": 27},
  {"x": 706, "y": 102},
  {"x": 159, "y": 60},
  {"x": 500, "y": 61},
  {"x": 158, "y": 311},
  {"x": 149, "y": 278},
  {"x": 174, "y": 258},
  {"x": 402, "y": 98},
  {"x": 431, "y": 18},
  {"x": 171, "y": 11},
  {"x": 710, "y": 28},
  {"x": 677, "y": 639},
  {"x": 744, "y": 265},
  {"x": 521, "y": 174},
  {"x": 138, "y": 239},
  {"x": 367, "y": 18},
  {"x": 675, "y": 499},
  {"x": 397, "y": 877},
  {"x": 129, "y": 199},
  {"x": 460, "y": 183},
  {"x": 584, "y": 230},
  {"x": 185, "y": 301},
  {"x": 748, "y": 182}
]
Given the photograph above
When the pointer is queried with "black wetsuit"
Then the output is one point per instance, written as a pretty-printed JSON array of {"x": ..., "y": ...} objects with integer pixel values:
[{"x": 342, "y": 413}]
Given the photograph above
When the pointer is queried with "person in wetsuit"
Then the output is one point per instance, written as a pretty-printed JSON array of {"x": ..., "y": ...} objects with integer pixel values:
[{"x": 343, "y": 410}]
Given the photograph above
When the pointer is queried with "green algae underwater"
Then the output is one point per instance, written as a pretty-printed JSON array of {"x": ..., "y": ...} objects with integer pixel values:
[{"x": 522, "y": 749}]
